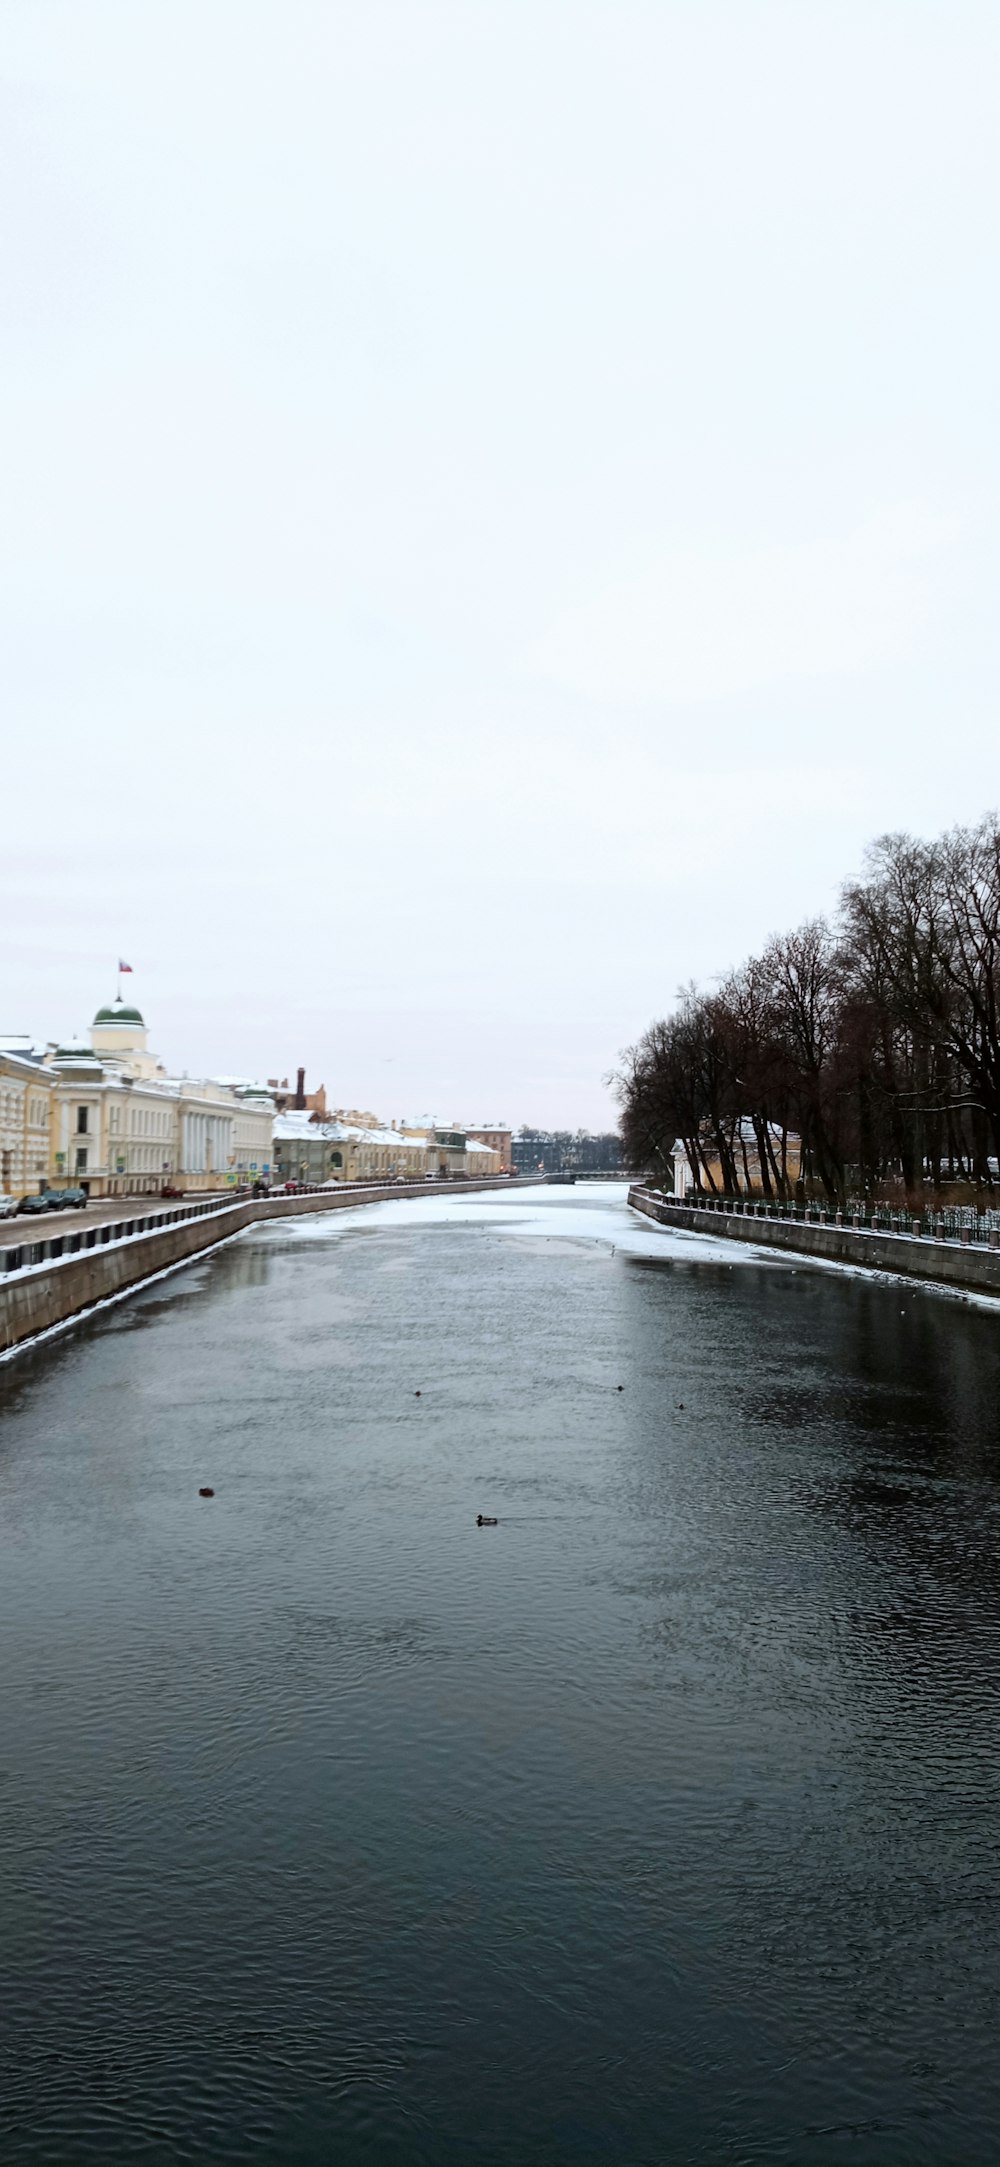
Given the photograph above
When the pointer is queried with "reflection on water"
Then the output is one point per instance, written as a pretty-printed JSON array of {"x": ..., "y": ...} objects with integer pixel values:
[{"x": 657, "y": 1823}]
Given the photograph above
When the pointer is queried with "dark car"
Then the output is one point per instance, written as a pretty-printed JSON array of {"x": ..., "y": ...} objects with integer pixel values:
[
  {"x": 70, "y": 1199},
  {"x": 46, "y": 1200}
]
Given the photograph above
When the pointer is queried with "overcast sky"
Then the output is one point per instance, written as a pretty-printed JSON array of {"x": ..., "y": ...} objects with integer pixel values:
[{"x": 499, "y": 503}]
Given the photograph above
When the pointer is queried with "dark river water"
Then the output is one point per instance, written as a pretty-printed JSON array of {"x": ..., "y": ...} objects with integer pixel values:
[{"x": 658, "y": 1824}]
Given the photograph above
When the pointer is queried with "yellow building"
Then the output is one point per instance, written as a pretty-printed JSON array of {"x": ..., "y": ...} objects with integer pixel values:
[
  {"x": 27, "y": 1093},
  {"x": 123, "y": 1127},
  {"x": 309, "y": 1150},
  {"x": 481, "y": 1158},
  {"x": 499, "y": 1140},
  {"x": 785, "y": 1152},
  {"x": 106, "y": 1116},
  {"x": 454, "y": 1152},
  {"x": 445, "y": 1149},
  {"x": 358, "y": 1147}
]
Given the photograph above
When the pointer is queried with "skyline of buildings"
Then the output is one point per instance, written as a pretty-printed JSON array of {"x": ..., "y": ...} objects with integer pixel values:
[{"x": 104, "y": 1113}]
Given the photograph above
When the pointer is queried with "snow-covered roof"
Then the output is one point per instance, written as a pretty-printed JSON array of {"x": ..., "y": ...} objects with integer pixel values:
[
  {"x": 244, "y": 1087},
  {"x": 19, "y": 1043},
  {"x": 296, "y": 1122}
]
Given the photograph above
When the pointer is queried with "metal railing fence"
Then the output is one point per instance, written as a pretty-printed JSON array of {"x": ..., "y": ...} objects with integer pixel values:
[
  {"x": 963, "y": 1223},
  {"x": 17, "y": 1257}
]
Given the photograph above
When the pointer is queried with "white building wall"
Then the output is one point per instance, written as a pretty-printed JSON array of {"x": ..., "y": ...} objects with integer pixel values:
[
  {"x": 129, "y": 1145},
  {"x": 252, "y": 1142}
]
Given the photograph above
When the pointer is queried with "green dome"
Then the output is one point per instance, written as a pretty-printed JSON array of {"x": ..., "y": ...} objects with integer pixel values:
[{"x": 118, "y": 1014}]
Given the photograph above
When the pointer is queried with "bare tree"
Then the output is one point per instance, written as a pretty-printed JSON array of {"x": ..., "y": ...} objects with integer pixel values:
[{"x": 877, "y": 1042}]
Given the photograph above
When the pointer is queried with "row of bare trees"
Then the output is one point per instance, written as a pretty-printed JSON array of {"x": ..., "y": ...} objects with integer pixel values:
[{"x": 874, "y": 1040}]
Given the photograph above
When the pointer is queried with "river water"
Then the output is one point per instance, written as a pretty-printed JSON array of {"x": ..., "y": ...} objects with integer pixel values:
[{"x": 658, "y": 1824}]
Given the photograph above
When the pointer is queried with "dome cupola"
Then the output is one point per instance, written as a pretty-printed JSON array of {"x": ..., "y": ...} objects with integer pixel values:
[
  {"x": 116, "y": 1015},
  {"x": 120, "y": 1031}
]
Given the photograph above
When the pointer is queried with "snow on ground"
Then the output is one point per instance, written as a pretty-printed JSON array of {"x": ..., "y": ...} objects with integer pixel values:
[{"x": 592, "y": 1215}]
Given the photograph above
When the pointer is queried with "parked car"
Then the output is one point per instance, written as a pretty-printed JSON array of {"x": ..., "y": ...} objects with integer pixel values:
[
  {"x": 70, "y": 1199},
  {"x": 169, "y": 1190},
  {"x": 45, "y": 1200},
  {"x": 8, "y": 1205}
]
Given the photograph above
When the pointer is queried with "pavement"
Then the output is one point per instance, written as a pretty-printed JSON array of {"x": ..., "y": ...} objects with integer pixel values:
[{"x": 27, "y": 1227}]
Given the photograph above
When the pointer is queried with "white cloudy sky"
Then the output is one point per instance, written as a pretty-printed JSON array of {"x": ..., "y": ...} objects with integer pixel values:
[{"x": 499, "y": 502}]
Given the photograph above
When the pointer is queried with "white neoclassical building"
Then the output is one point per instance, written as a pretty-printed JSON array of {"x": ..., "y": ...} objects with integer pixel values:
[{"x": 122, "y": 1126}]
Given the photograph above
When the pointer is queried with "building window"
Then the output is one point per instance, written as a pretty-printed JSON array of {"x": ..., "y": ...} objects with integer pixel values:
[
  {"x": 81, "y": 1120},
  {"x": 81, "y": 1161}
]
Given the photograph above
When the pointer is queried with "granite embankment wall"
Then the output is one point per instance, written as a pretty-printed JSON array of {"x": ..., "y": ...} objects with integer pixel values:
[
  {"x": 969, "y": 1267},
  {"x": 42, "y": 1297}
]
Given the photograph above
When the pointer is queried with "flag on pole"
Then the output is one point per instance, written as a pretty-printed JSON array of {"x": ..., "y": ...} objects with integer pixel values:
[{"x": 124, "y": 966}]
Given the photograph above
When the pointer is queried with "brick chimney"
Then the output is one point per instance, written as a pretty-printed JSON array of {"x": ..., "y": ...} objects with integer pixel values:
[{"x": 300, "y": 1088}]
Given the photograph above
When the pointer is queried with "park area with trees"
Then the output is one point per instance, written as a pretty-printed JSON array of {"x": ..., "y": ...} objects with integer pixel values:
[{"x": 872, "y": 1040}]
